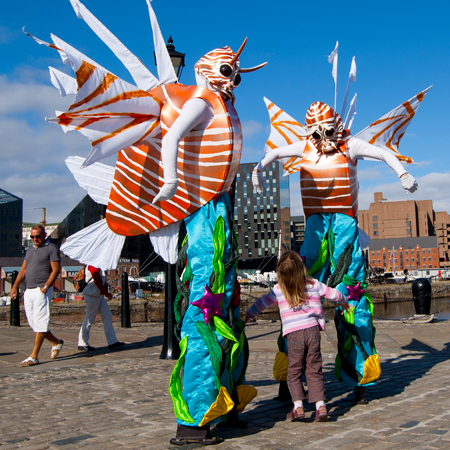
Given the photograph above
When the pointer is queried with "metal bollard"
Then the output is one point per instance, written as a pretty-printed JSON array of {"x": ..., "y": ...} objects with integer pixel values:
[
  {"x": 421, "y": 289},
  {"x": 126, "y": 316},
  {"x": 14, "y": 315},
  {"x": 171, "y": 348}
]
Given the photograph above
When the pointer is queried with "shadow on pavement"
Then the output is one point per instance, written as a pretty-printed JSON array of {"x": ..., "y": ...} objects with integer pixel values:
[{"x": 398, "y": 373}]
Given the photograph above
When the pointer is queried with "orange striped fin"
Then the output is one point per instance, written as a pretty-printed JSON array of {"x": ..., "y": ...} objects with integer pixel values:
[{"x": 387, "y": 131}]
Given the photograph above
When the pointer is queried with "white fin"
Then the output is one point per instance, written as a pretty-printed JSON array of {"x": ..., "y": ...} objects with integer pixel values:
[
  {"x": 165, "y": 242},
  {"x": 143, "y": 78},
  {"x": 166, "y": 72},
  {"x": 63, "y": 82},
  {"x": 96, "y": 179},
  {"x": 65, "y": 49},
  {"x": 364, "y": 239},
  {"x": 95, "y": 245}
]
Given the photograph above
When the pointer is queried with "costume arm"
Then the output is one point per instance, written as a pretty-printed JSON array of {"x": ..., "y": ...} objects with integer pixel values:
[
  {"x": 359, "y": 148},
  {"x": 194, "y": 112},
  {"x": 288, "y": 151}
]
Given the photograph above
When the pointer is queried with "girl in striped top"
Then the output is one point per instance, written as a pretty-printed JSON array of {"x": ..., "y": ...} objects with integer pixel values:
[{"x": 299, "y": 299}]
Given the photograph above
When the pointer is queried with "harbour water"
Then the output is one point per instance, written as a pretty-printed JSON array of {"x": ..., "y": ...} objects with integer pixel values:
[{"x": 401, "y": 310}]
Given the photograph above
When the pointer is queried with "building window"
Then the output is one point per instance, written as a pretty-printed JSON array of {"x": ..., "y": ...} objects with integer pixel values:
[
  {"x": 375, "y": 225},
  {"x": 238, "y": 177},
  {"x": 375, "y": 233},
  {"x": 375, "y": 218}
]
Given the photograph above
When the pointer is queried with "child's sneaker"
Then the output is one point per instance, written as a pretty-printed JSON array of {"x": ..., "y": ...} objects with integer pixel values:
[
  {"x": 296, "y": 414},
  {"x": 321, "y": 414}
]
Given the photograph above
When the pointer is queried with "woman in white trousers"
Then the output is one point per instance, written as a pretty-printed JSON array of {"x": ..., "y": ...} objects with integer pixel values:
[{"x": 94, "y": 295}]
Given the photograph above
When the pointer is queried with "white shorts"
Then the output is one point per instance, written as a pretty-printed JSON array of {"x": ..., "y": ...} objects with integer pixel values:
[{"x": 37, "y": 308}]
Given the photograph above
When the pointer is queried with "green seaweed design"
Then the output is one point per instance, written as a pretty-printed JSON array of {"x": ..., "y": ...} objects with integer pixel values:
[{"x": 179, "y": 404}]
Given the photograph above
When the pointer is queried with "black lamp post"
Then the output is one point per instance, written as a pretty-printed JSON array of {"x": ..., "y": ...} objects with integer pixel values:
[
  {"x": 177, "y": 58},
  {"x": 171, "y": 349}
]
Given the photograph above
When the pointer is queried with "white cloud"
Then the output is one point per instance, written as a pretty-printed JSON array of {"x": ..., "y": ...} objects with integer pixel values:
[
  {"x": 250, "y": 128},
  {"x": 34, "y": 151},
  {"x": 433, "y": 186}
]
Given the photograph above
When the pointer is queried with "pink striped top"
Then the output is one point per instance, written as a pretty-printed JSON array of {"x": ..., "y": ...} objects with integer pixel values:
[{"x": 309, "y": 314}]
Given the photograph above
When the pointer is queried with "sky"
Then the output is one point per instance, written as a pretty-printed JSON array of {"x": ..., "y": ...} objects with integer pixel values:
[{"x": 401, "y": 48}]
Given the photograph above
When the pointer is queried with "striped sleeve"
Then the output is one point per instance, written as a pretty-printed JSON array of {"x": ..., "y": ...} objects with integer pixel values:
[
  {"x": 332, "y": 294},
  {"x": 261, "y": 304}
]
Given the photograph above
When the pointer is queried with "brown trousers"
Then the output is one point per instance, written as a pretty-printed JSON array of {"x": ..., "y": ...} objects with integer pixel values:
[{"x": 304, "y": 351}]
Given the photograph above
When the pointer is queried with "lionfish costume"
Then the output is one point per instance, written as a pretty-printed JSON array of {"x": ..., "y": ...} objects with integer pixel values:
[
  {"x": 326, "y": 155},
  {"x": 179, "y": 151}
]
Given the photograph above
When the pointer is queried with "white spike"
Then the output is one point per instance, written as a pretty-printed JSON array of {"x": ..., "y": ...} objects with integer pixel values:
[
  {"x": 143, "y": 78},
  {"x": 166, "y": 72},
  {"x": 66, "y": 49},
  {"x": 351, "y": 79},
  {"x": 63, "y": 82},
  {"x": 351, "y": 114}
]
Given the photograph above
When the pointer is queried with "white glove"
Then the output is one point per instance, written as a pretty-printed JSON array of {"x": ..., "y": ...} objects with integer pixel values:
[
  {"x": 168, "y": 190},
  {"x": 258, "y": 179},
  {"x": 409, "y": 183}
]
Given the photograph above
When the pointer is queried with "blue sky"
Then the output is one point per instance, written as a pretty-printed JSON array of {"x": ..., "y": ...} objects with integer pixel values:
[{"x": 400, "y": 47}]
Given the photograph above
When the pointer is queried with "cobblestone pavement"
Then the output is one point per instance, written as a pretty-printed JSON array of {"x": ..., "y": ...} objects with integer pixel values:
[{"x": 119, "y": 399}]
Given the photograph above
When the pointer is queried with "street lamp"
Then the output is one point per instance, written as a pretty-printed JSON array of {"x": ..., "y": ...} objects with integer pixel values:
[
  {"x": 171, "y": 348},
  {"x": 177, "y": 58}
]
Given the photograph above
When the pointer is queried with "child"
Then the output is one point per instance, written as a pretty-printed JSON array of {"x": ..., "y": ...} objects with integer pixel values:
[{"x": 299, "y": 299}]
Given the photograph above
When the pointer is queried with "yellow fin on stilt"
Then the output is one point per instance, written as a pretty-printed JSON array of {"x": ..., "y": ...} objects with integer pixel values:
[
  {"x": 222, "y": 405},
  {"x": 372, "y": 369},
  {"x": 245, "y": 394},
  {"x": 280, "y": 367}
]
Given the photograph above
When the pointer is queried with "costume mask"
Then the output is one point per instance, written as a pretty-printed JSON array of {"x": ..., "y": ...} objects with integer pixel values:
[
  {"x": 221, "y": 69},
  {"x": 324, "y": 127}
]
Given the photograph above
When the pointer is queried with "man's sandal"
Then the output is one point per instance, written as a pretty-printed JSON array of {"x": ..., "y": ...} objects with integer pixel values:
[
  {"x": 56, "y": 349},
  {"x": 29, "y": 362}
]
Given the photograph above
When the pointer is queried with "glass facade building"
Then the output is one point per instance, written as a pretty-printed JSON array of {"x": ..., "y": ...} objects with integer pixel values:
[{"x": 262, "y": 221}]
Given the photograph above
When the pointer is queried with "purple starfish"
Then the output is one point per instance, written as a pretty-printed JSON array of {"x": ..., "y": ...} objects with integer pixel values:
[
  {"x": 355, "y": 292},
  {"x": 209, "y": 304}
]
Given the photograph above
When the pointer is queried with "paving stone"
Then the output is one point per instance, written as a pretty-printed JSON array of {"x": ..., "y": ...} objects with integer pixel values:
[{"x": 120, "y": 400}]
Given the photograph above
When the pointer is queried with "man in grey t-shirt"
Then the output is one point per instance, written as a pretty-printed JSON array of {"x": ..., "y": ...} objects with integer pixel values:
[{"x": 39, "y": 270}]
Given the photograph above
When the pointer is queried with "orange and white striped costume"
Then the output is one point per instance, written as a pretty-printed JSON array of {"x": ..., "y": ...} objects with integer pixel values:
[
  {"x": 328, "y": 182},
  {"x": 208, "y": 160}
]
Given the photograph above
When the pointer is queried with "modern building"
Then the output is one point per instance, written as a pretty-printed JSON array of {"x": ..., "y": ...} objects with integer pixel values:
[
  {"x": 262, "y": 221},
  {"x": 407, "y": 227},
  {"x": 11, "y": 208},
  {"x": 297, "y": 232}
]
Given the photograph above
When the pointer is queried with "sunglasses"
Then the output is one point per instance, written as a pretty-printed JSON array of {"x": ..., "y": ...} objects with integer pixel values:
[{"x": 38, "y": 236}]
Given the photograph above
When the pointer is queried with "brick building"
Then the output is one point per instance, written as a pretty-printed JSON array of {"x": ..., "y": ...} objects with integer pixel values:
[
  {"x": 407, "y": 226},
  {"x": 399, "y": 254}
]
